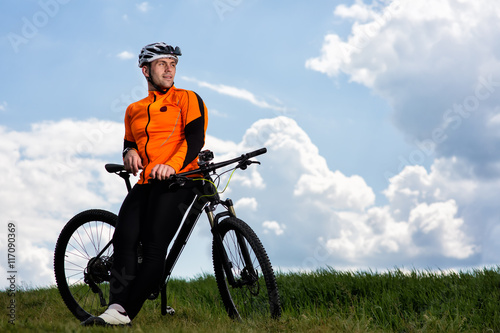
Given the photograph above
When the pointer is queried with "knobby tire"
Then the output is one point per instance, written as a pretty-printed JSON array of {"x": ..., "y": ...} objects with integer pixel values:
[{"x": 257, "y": 297}]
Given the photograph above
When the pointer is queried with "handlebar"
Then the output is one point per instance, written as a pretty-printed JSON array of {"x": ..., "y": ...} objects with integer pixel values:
[
  {"x": 243, "y": 162},
  {"x": 243, "y": 159}
]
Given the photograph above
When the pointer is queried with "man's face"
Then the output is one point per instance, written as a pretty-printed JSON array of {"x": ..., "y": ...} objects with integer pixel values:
[{"x": 162, "y": 72}]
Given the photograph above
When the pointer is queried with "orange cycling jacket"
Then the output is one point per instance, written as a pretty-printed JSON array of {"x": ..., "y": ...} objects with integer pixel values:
[{"x": 166, "y": 129}]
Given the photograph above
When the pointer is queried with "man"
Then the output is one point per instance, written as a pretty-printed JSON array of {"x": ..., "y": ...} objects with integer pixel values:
[{"x": 164, "y": 133}]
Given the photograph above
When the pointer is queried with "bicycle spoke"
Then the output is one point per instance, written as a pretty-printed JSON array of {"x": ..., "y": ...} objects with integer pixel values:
[
  {"x": 91, "y": 238},
  {"x": 80, "y": 243}
]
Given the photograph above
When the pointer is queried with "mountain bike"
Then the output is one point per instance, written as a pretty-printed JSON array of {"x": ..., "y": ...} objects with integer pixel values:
[{"x": 83, "y": 256}]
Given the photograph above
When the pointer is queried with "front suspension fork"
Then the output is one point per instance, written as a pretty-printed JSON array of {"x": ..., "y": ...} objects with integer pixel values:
[{"x": 226, "y": 263}]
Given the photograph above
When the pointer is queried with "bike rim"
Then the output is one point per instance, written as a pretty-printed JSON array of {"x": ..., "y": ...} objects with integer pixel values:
[{"x": 86, "y": 243}]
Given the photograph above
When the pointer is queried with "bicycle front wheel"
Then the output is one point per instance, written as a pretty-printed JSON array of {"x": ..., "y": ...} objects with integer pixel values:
[
  {"x": 250, "y": 289},
  {"x": 82, "y": 272}
]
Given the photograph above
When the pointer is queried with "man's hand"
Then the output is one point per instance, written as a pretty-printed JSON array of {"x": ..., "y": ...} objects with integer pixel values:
[
  {"x": 132, "y": 162},
  {"x": 162, "y": 171}
]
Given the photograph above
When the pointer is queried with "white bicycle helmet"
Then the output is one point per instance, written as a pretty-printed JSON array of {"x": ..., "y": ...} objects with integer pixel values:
[{"x": 151, "y": 52}]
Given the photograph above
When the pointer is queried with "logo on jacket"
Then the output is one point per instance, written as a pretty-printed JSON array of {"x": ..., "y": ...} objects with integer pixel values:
[{"x": 163, "y": 109}]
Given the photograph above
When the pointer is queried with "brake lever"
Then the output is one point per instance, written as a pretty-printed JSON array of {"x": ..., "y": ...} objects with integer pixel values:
[{"x": 245, "y": 163}]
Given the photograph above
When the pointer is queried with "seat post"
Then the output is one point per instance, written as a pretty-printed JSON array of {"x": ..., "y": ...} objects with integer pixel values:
[{"x": 126, "y": 176}]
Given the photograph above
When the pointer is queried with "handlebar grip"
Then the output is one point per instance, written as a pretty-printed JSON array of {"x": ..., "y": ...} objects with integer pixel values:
[{"x": 256, "y": 152}]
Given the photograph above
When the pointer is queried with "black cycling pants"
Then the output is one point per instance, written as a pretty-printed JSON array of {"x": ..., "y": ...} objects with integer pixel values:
[{"x": 150, "y": 214}]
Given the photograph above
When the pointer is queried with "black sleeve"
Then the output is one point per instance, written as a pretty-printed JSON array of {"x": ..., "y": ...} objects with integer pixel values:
[
  {"x": 129, "y": 144},
  {"x": 195, "y": 134}
]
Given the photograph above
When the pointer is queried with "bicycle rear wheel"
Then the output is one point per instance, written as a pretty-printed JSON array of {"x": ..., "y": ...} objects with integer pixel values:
[
  {"x": 254, "y": 292},
  {"x": 82, "y": 276}
]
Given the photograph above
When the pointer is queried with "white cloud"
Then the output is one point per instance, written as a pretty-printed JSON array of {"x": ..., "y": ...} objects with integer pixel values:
[
  {"x": 3, "y": 106},
  {"x": 313, "y": 177},
  {"x": 217, "y": 113},
  {"x": 246, "y": 203},
  {"x": 358, "y": 11},
  {"x": 439, "y": 220},
  {"x": 434, "y": 62},
  {"x": 237, "y": 93},
  {"x": 125, "y": 55},
  {"x": 143, "y": 7},
  {"x": 274, "y": 227},
  {"x": 432, "y": 231}
]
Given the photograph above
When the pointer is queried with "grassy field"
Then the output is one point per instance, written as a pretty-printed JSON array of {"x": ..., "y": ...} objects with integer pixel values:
[{"x": 322, "y": 301}]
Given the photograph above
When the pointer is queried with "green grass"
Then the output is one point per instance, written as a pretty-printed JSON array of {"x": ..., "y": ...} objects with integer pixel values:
[{"x": 322, "y": 301}]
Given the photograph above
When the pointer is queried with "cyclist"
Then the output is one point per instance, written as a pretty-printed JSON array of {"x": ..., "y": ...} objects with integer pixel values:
[{"x": 164, "y": 133}]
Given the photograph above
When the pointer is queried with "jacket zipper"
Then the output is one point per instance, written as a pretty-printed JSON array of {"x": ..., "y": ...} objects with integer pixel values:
[{"x": 147, "y": 140}]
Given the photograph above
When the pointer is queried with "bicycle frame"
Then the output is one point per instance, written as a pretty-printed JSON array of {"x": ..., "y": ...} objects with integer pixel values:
[{"x": 207, "y": 201}]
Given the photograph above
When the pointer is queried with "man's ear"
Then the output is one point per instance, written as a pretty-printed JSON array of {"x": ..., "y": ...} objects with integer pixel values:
[{"x": 145, "y": 71}]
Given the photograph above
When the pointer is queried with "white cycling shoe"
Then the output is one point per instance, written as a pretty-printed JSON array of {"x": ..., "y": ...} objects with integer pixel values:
[{"x": 110, "y": 317}]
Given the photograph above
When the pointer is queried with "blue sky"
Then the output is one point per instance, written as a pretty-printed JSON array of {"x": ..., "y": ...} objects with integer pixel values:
[
  {"x": 262, "y": 50},
  {"x": 380, "y": 119}
]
